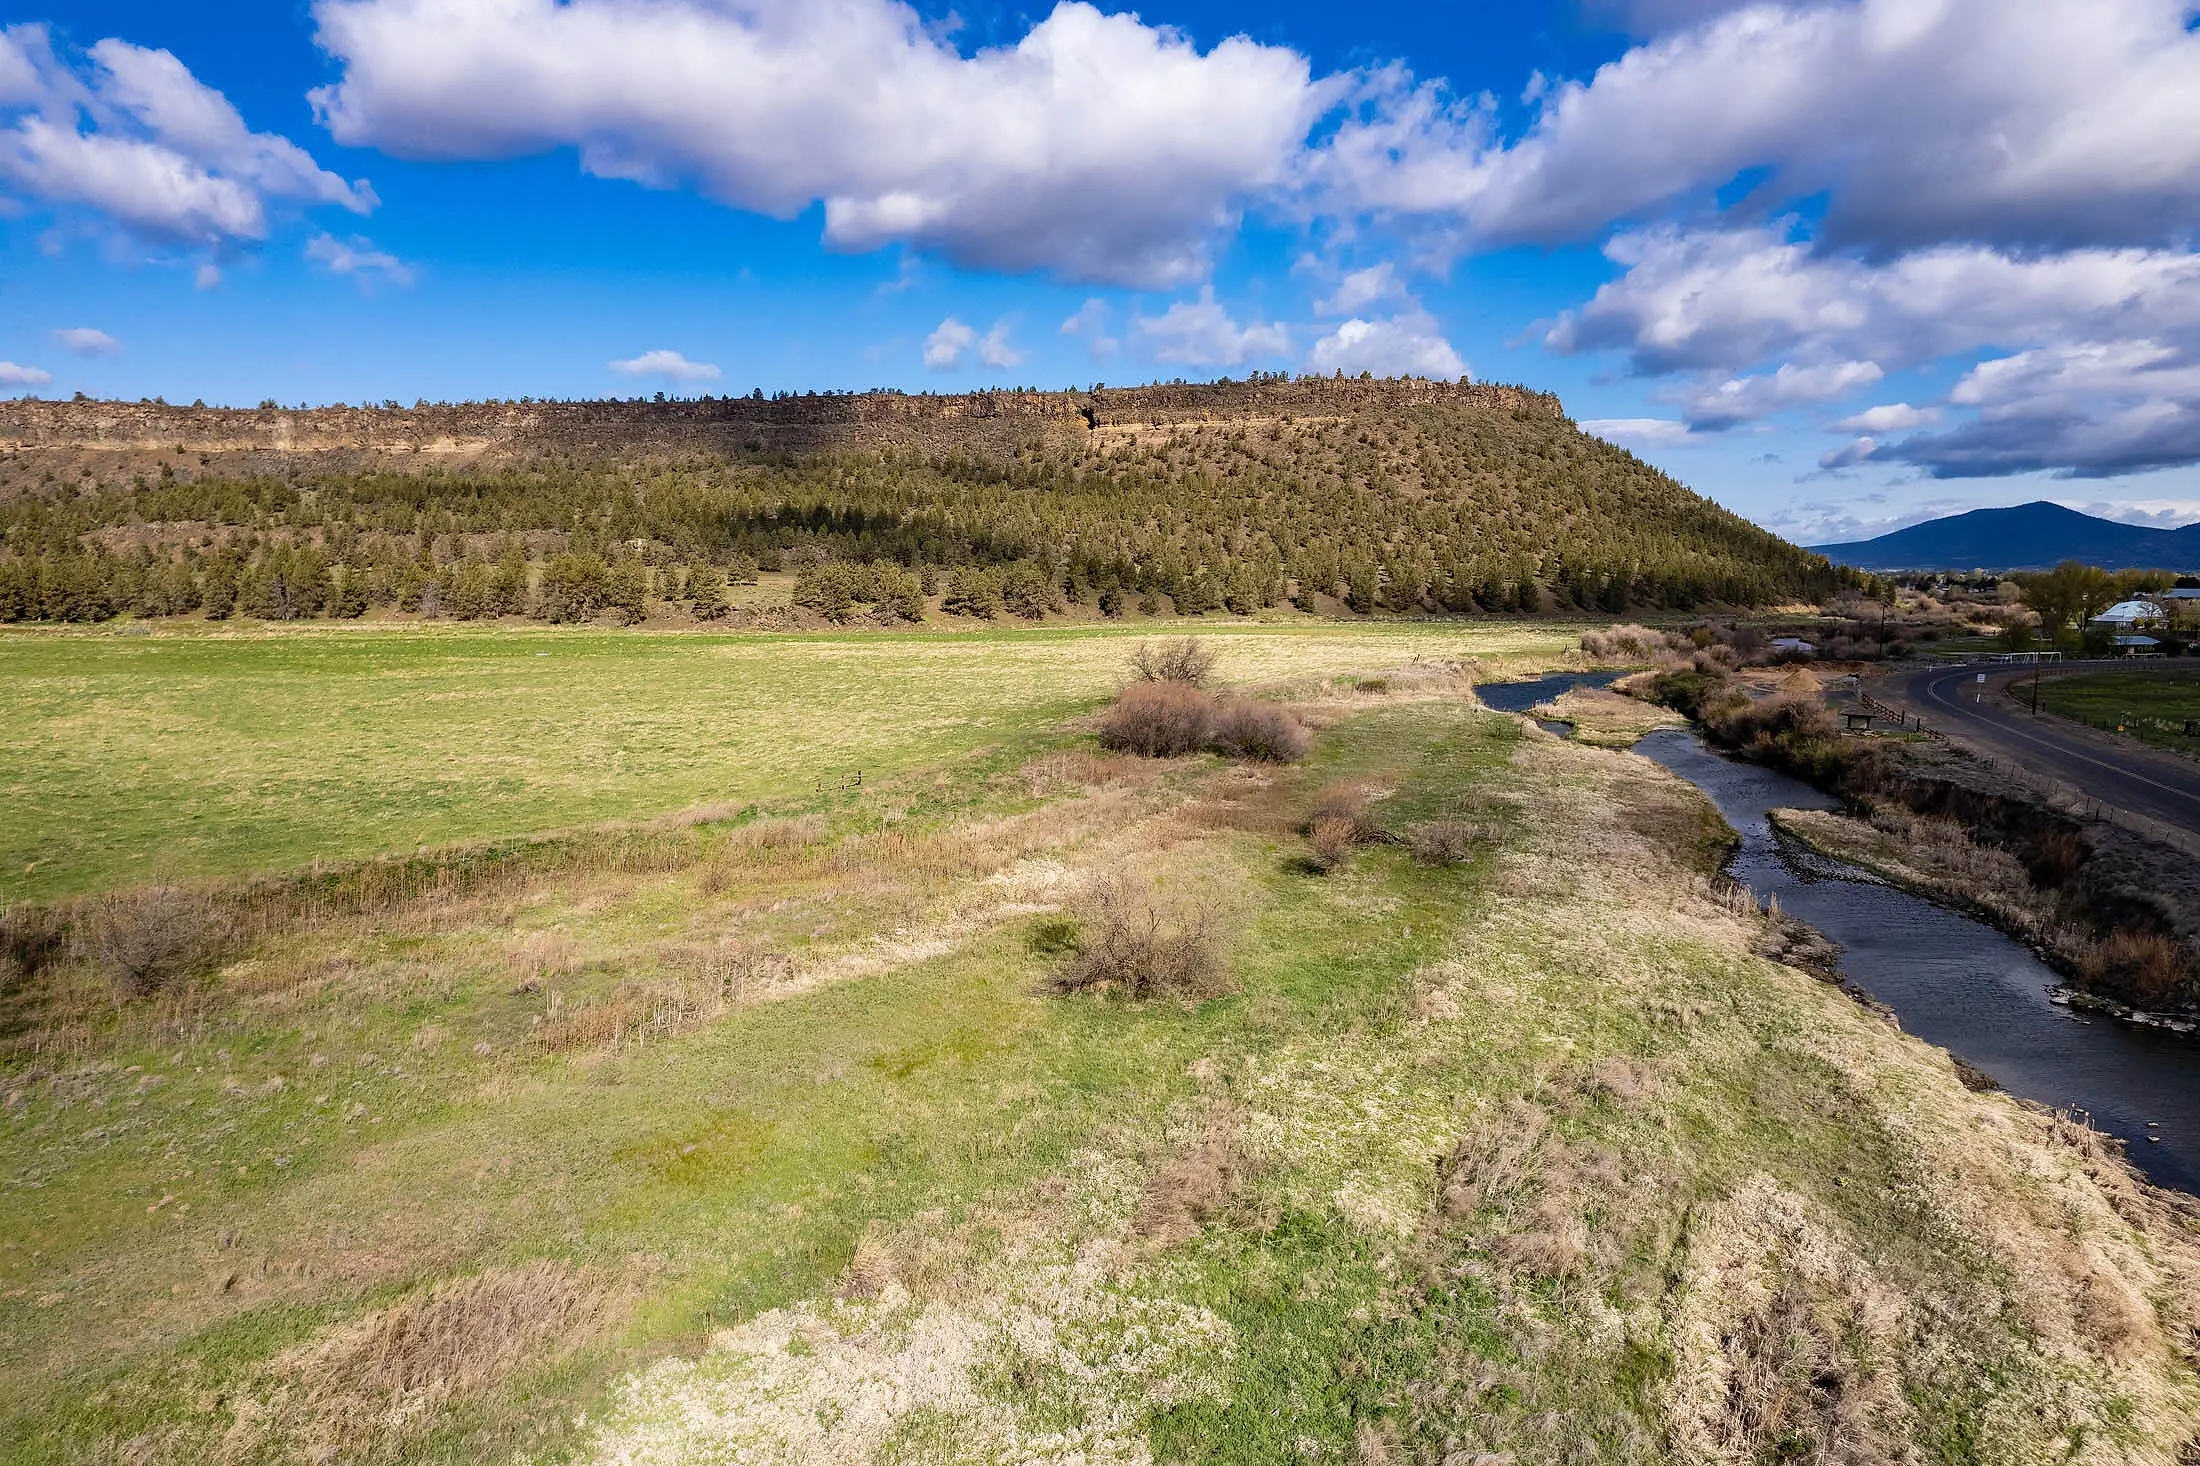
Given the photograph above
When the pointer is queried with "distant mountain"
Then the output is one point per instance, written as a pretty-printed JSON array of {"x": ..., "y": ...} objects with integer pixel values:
[{"x": 2029, "y": 537}]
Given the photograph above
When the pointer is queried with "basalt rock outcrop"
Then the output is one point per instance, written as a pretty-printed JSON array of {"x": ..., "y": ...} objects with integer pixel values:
[{"x": 802, "y": 423}]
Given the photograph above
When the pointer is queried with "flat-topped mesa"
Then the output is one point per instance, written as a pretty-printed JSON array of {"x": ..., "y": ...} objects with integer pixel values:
[{"x": 807, "y": 422}]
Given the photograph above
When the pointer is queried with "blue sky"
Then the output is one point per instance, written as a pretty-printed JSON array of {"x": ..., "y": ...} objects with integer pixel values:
[{"x": 1840, "y": 265}]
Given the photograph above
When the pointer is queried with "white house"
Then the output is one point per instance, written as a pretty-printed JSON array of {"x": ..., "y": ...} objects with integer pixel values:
[{"x": 2128, "y": 614}]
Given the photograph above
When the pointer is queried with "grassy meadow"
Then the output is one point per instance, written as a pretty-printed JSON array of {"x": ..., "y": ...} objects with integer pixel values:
[
  {"x": 778, "y": 1143},
  {"x": 127, "y": 759},
  {"x": 2153, "y": 709}
]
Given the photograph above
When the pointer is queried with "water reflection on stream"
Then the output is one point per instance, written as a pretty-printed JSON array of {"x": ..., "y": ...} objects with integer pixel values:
[{"x": 1953, "y": 981}]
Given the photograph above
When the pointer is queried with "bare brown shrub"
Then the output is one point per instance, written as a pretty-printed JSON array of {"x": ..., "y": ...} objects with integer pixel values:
[
  {"x": 1166, "y": 719},
  {"x": 1789, "y": 715},
  {"x": 1449, "y": 841},
  {"x": 1347, "y": 799},
  {"x": 1330, "y": 841},
  {"x": 1187, "y": 660},
  {"x": 1144, "y": 942},
  {"x": 1338, "y": 823},
  {"x": 2146, "y": 968},
  {"x": 2055, "y": 857},
  {"x": 1159, "y": 719},
  {"x": 148, "y": 941},
  {"x": 1258, "y": 730},
  {"x": 30, "y": 937},
  {"x": 1624, "y": 644}
]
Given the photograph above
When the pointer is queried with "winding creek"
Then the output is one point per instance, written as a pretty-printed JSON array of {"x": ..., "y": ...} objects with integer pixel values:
[{"x": 1952, "y": 980}]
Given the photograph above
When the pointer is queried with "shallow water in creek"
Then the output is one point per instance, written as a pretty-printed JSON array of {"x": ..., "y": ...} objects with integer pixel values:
[
  {"x": 1955, "y": 981},
  {"x": 1952, "y": 980}
]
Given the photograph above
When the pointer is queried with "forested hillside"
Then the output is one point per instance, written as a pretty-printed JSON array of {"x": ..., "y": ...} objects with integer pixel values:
[{"x": 1407, "y": 497}]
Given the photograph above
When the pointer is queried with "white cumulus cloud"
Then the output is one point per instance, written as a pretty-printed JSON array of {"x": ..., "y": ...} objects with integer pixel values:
[
  {"x": 358, "y": 258},
  {"x": 1090, "y": 325},
  {"x": 1707, "y": 304},
  {"x": 1202, "y": 333},
  {"x": 944, "y": 348},
  {"x": 1362, "y": 288},
  {"x": 1410, "y": 344},
  {"x": 1848, "y": 456},
  {"x": 133, "y": 136},
  {"x": 1648, "y": 432},
  {"x": 1970, "y": 177},
  {"x": 2046, "y": 124},
  {"x": 85, "y": 341},
  {"x": 1096, "y": 147},
  {"x": 1729, "y": 298},
  {"x": 1890, "y": 417},
  {"x": 2087, "y": 410},
  {"x": 952, "y": 340},
  {"x": 669, "y": 365},
  {"x": 1746, "y": 399},
  {"x": 12, "y": 375}
]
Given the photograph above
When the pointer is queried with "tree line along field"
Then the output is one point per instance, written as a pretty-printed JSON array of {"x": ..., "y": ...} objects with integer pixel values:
[
  {"x": 1491, "y": 1133},
  {"x": 2152, "y": 708},
  {"x": 131, "y": 759},
  {"x": 1402, "y": 508}
]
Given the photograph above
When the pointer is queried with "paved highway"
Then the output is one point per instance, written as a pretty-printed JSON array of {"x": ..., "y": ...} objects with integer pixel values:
[{"x": 2112, "y": 771}]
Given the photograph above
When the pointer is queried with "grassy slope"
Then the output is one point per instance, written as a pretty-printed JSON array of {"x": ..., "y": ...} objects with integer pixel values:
[
  {"x": 2151, "y": 709},
  {"x": 132, "y": 759},
  {"x": 1529, "y": 1155}
]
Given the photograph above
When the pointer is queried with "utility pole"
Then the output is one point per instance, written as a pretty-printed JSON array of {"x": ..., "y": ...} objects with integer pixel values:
[{"x": 2035, "y": 684}]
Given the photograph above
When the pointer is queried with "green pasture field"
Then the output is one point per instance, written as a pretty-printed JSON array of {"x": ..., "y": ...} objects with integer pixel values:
[
  {"x": 127, "y": 759},
  {"x": 1502, "y": 1155},
  {"x": 2151, "y": 708}
]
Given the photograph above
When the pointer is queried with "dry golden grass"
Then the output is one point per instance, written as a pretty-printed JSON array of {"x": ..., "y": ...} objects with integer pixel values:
[
  {"x": 1608, "y": 719},
  {"x": 1191, "y": 1186},
  {"x": 1786, "y": 1344},
  {"x": 2148, "y": 966},
  {"x": 543, "y": 955},
  {"x": 711, "y": 982},
  {"x": 1079, "y": 768},
  {"x": 1801, "y": 1329},
  {"x": 359, "y": 1388}
]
